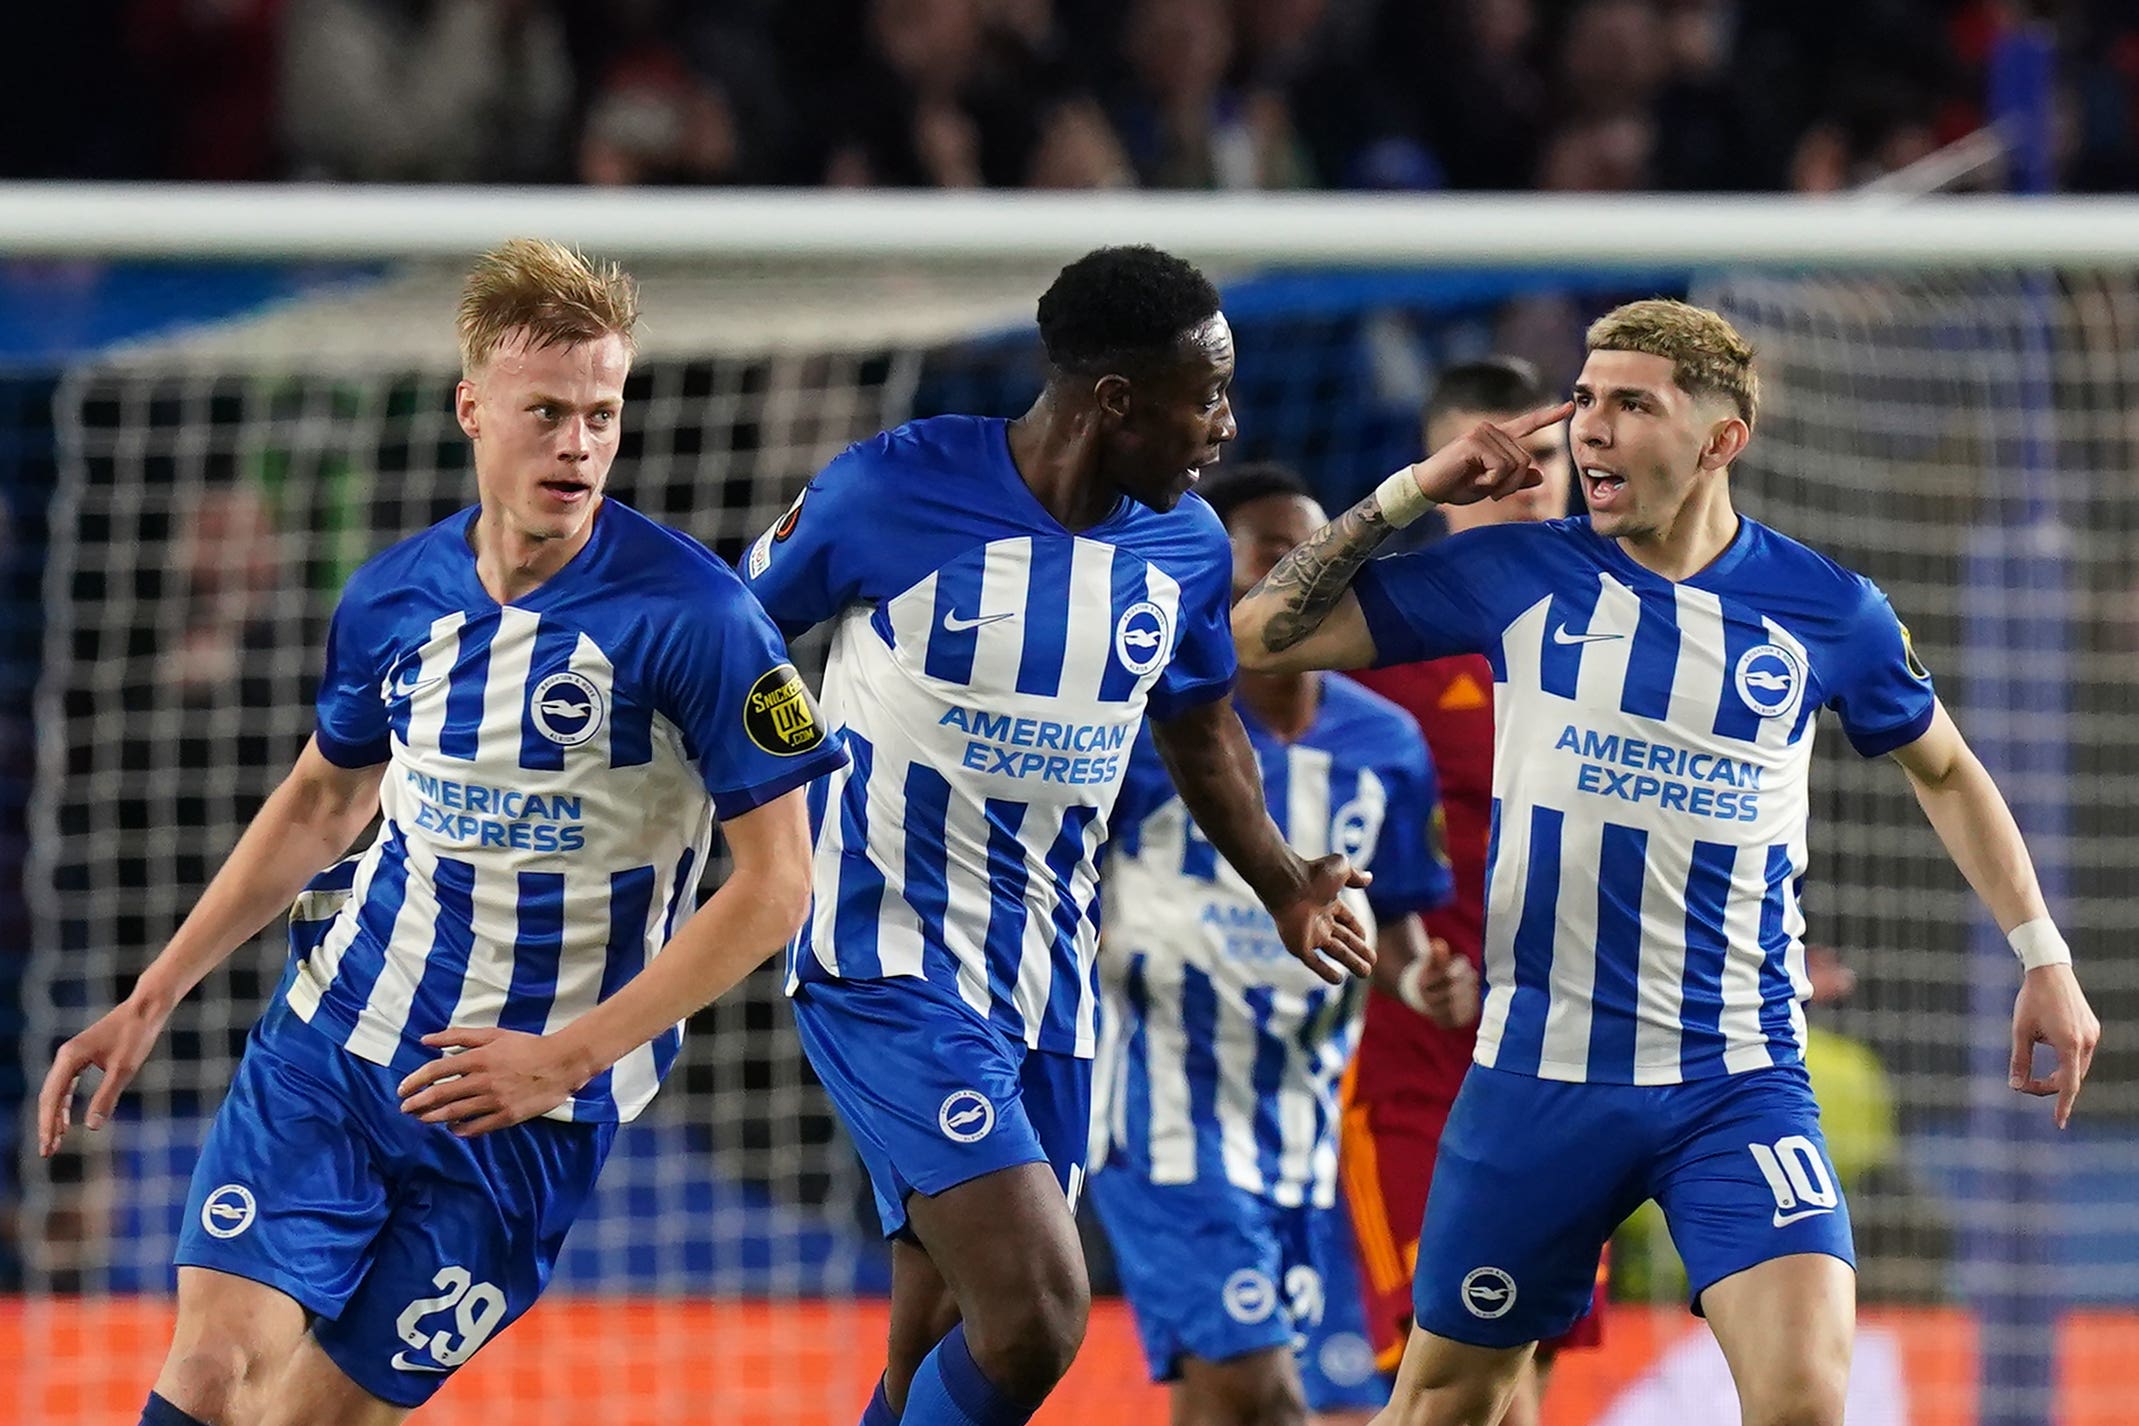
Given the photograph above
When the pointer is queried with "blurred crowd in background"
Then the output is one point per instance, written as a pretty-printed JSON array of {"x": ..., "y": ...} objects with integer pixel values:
[{"x": 1592, "y": 95}]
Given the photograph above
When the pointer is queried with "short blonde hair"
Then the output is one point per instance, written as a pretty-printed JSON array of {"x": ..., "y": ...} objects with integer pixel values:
[
  {"x": 1707, "y": 356},
  {"x": 556, "y": 293}
]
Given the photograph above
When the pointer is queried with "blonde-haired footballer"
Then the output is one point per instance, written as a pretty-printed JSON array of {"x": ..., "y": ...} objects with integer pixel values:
[
  {"x": 1658, "y": 668},
  {"x": 547, "y": 699}
]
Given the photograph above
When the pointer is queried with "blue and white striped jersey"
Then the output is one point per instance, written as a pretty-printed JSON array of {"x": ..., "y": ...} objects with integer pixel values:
[
  {"x": 1652, "y": 742},
  {"x": 1220, "y": 1054},
  {"x": 988, "y": 672},
  {"x": 553, "y": 765}
]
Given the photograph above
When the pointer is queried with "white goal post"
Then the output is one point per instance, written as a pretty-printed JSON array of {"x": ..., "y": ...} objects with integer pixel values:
[{"x": 316, "y": 221}]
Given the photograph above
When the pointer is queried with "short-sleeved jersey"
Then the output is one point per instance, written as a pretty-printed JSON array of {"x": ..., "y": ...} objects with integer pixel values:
[
  {"x": 1402, "y": 1054},
  {"x": 553, "y": 765},
  {"x": 989, "y": 671},
  {"x": 1221, "y": 1054},
  {"x": 1653, "y": 744}
]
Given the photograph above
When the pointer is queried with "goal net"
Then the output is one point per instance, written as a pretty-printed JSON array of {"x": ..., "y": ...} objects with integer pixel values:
[
  {"x": 1968, "y": 439},
  {"x": 1965, "y": 437}
]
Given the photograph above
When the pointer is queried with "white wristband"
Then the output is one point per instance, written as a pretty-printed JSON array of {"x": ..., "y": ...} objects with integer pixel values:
[
  {"x": 1407, "y": 985},
  {"x": 2037, "y": 943},
  {"x": 1401, "y": 500}
]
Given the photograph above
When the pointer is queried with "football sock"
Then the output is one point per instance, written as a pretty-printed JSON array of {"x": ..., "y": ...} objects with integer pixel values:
[
  {"x": 159, "y": 1412},
  {"x": 950, "y": 1390}
]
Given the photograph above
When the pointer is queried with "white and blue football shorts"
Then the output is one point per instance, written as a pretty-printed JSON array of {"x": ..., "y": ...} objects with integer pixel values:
[
  {"x": 411, "y": 1246},
  {"x": 1214, "y": 1272},
  {"x": 1534, "y": 1175},
  {"x": 934, "y": 1096}
]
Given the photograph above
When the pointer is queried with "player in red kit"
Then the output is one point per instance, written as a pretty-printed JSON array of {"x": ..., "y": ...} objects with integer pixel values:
[{"x": 1408, "y": 1068}]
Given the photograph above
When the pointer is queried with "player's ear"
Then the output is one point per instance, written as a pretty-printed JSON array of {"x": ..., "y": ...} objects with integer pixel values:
[
  {"x": 1111, "y": 394},
  {"x": 1726, "y": 441},
  {"x": 464, "y": 407}
]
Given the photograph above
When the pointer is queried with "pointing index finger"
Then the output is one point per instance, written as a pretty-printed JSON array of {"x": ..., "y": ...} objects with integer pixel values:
[
  {"x": 55, "y": 1106},
  {"x": 1532, "y": 422},
  {"x": 2068, "y": 1093},
  {"x": 2071, "y": 1074}
]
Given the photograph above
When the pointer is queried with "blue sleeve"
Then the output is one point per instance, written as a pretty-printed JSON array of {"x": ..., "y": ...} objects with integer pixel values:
[
  {"x": 807, "y": 566},
  {"x": 1877, "y": 686},
  {"x": 1410, "y": 866},
  {"x": 1203, "y": 666},
  {"x": 352, "y": 728},
  {"x": 1145, "y": 788},
  {"x": 722, "y": 676},
  {"x": 1434, "y": 602}
]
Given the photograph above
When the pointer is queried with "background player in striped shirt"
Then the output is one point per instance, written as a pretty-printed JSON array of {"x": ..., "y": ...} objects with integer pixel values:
[
  {"x": 1659, "y": 665},
  {"x": 1409, "y": 1068},
  {"x": 1012, "y": 600},
  {"x": 1215, "y": 1126},
  {"x": 546, "y": 699}
]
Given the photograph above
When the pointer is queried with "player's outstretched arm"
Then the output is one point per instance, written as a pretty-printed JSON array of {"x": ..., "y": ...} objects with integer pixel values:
[
  {"x": 304, "y": 826},
  {"x": 504, "y": 1077},
  {"x": 1971, "y": 817},
  {"x": 1212, "y": 764},
  {"x": 1303, "y": 615}
]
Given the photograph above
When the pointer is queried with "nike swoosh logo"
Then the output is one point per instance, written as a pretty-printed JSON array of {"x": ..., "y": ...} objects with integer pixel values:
[
  {"x": 405, "y": 692},
  {"x": 1561, "y": 636},
  {"x": 952, "y": 623},
  {"x": 1783, "y": 1220},
  {"x": 401, "y": 1363}
]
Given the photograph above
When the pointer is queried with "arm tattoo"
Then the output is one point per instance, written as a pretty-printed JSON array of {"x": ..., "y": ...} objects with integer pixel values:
[{"x": 1311, "y": 579}]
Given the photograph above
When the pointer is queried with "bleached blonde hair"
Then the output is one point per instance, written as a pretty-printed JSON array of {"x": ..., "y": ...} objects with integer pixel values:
[
  {"x": 557, "y": 294},
  {"x": 1708, "y": 357}
]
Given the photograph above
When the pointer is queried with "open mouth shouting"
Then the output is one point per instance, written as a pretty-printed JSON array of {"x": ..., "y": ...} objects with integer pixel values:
[
  {"x": 1202, "y": 463},
  {"x": 568, "y": 491},
  {"x": 1602, "y": 489}
]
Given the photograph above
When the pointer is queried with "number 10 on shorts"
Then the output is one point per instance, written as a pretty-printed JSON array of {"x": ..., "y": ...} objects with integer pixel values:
[{"x": 1796, "y": 1172}]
